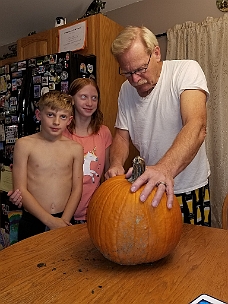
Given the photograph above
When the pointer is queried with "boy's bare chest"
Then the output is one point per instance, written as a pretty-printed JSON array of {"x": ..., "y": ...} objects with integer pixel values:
[{"x": 51, "y": 157}]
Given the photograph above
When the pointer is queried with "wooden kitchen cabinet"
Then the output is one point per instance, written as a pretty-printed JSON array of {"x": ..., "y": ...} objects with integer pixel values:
[
  {"x": 101, "y": 31},
  {"x": 8, "y": 61},
  {"x": 35, "y": 45}
]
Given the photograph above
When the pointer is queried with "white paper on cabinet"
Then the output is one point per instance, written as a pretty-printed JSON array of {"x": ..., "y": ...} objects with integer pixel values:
[{"x": 72, "y": 38}]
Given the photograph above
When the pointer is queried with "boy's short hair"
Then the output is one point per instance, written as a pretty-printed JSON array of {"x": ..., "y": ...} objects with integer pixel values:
[{"x": 56, "y": 100}]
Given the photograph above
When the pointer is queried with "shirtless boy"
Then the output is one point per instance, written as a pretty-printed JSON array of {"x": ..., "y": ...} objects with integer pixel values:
[{"x": 47, "y": 168}]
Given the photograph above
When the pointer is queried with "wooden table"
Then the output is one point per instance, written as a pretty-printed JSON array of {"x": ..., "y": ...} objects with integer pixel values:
[{"x": 62, "y": 266}]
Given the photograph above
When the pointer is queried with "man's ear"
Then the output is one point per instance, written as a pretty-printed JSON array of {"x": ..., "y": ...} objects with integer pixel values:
[
  {"x": 37, "y": 113},
  {"x": 157, "y": 53}
]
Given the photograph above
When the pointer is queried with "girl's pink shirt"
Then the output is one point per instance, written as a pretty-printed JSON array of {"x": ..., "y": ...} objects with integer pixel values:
[{"x": 94, "y": 161}]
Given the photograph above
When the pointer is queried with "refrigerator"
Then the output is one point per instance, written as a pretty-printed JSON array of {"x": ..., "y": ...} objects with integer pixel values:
[{"x": 21, "y": 86}]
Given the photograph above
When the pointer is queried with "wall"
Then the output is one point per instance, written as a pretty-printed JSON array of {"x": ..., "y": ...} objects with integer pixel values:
[
  {"x": 5, "y": 49},
  {"x": 161, "y": 15}
]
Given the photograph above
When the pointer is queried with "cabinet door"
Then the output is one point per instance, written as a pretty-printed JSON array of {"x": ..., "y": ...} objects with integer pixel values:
[
  {"x": 8, "y": 61},
  {"x": 35, "y": 45}
]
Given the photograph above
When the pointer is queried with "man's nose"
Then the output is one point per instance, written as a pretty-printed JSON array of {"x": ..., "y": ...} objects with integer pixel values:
[{"x": 135, "y": 78}]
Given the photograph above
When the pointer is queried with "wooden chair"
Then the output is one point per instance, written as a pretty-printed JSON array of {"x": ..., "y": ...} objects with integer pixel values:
[{"x": 225, "y": 213}]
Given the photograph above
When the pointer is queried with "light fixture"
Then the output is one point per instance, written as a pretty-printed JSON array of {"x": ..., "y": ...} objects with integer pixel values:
[{"x": 222, "y": 5}]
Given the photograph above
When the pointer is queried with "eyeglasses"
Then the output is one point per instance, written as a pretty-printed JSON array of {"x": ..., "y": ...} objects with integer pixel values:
[{"x": 139, "y": 71}]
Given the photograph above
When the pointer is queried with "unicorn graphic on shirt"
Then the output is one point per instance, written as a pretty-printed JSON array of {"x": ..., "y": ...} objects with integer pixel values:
[{"x": 88, "y": 158}]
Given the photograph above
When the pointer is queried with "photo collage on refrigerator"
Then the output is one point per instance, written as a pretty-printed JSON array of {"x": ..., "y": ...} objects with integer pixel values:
[
  {"x": 23, "y": 83},
  {"x": 11, "y": 77}
]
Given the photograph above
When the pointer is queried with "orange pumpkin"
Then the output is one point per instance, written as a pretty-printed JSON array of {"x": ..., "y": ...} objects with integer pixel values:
[{"x": 127, "y": 231}]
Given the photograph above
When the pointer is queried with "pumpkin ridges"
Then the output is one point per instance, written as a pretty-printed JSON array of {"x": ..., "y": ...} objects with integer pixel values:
[
  {"x": 140, "y": 254},
  {"x": 118, "y": 246},
  {"x": 165, "y": 232},
  {"x": 141, "y": 231},
  {"x": 114, "y": 234},
  {"x": 95, "y": 220},
  {"x": 106, "y": 209},
  {"x": 158, "y": 228},
  {"x": 148, "y": 217},
  {"x": 102, "y": 207},
  {"x": 113, "y": 237},
  {"x": 134, "y": 232},
  {"x": 134, "y": 210},
  {"x": 130, "y": 245},
  {"x": 98, "y": 220}
]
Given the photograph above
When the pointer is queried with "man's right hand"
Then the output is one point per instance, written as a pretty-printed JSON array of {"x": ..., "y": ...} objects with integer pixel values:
[
  {"x": 114, "y": 171},
  {"x": 15, "y": 197}
]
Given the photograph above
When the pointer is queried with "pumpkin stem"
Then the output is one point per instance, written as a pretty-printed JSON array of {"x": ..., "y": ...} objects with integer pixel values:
[{"x": 138, "y": 168}]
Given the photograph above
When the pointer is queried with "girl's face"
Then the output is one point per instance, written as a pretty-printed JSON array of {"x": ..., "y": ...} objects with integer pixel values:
[{"x": 86, "y": 100}]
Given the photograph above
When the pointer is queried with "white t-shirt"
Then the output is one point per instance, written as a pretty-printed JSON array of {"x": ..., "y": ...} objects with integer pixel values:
[{"x": 154, "y": 121}]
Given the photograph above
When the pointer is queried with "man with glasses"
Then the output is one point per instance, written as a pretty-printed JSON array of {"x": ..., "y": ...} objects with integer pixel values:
[{"x": 162, "y": 109}]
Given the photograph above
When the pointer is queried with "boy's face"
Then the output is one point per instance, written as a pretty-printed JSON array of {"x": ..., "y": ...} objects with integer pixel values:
[{"x": 54, "y": 122}]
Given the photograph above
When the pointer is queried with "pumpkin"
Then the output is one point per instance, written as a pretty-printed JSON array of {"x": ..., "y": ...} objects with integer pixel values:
[{"x": 128, "y": 231}]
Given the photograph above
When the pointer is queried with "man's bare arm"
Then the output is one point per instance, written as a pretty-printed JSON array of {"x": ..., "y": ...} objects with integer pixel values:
[{"x": 118, "y": 153}]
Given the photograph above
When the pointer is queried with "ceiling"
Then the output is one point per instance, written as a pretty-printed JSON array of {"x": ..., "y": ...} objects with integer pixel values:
[{"x": 20, "y": 17}]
